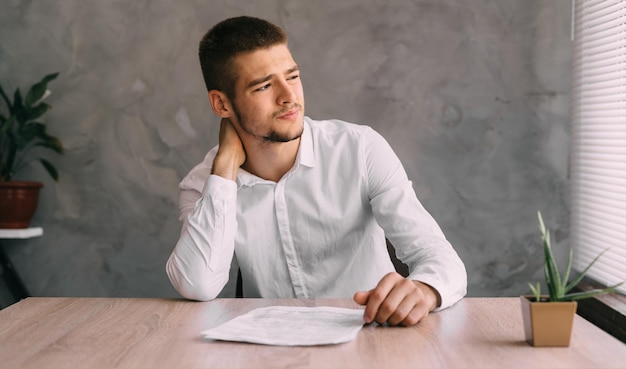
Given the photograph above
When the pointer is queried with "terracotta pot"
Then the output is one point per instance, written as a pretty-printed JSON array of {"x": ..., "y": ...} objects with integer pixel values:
[
  {"x": 18, "y": 202},
  {"x": 548, "y": 324}
]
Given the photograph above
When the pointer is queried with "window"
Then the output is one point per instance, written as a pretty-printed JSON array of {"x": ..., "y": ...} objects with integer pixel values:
[{"x": 598, "y": 212}]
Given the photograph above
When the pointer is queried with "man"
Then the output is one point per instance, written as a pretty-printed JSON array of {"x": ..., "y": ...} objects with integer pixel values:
[{"x": 303, "y": 207}]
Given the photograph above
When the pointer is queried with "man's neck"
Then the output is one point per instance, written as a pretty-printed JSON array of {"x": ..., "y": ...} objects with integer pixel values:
[{"x": 271, "y": 160}]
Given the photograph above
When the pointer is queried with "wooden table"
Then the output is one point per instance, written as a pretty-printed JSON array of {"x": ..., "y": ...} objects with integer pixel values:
[{"x": 165, "y": 333}]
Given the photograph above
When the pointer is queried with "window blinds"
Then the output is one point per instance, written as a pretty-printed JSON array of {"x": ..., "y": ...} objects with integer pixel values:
[{"x": 598, "y": 208}]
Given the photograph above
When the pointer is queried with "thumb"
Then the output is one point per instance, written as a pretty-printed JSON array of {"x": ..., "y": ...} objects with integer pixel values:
[{"x": 361, "y": 297}]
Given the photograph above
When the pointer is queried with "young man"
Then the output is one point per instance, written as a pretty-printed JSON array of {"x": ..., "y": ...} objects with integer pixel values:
[{"x": 302, "y": 206}]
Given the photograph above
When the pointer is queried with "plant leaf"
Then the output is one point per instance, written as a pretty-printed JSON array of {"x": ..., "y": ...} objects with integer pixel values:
[
  {"x": 6, "y": 100},
  {"x": 591, "y": 293},
  {"x": 542, "y": 226},
  {"x": 17, "y": 104},
  {"x": 50, "y": 169},
  {"x": 4, "y": 128},
  {"x": 584, "y": 272},
  {"x": 37, "y": 91},
  {"x": 52, "y": 143},
  {"x": 536, "y": 290},
  {"x": 553, "y": 279},
  {"x": 35, "y": 112},
  {"x": 7, "y": 170},
  {"x": 30, "y": 132},
  {"x": 568, "y": 269},
  {"x": 552, "y": 274}
]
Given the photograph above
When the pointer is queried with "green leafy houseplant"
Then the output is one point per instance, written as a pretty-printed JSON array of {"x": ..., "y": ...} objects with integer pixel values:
[
  {"x": 558, "y": 286},
  {"x": 20, "y": 132}
]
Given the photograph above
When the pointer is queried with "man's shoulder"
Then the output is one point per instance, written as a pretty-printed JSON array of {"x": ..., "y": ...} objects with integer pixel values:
[
  {"x": 197, "y": 176},
  {"x": 335, "y": 128}
]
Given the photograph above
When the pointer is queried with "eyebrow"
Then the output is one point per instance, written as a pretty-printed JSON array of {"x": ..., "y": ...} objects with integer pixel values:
[{"x": 257, "y": 81}]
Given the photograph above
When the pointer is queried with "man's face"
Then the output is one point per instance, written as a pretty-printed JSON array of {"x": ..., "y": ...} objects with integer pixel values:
[{"x": 269, "y": 101}]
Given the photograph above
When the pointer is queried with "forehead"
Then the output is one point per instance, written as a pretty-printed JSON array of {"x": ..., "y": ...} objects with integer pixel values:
[{"x": 263, "y": 62}]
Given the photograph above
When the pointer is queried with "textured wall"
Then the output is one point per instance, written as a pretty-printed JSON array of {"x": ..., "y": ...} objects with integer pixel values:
[{"x": 473, "y": 95}]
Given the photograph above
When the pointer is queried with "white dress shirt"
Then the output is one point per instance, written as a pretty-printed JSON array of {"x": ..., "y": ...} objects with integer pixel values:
[{"x": 318, "y": 232}]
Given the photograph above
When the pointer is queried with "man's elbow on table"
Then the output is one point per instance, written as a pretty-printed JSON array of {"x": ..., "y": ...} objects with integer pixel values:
[
  {"x": 191, "y": 292},
  {"x": 202, "y": 291}
]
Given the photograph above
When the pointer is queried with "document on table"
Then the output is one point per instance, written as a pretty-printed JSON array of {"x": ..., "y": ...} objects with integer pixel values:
[{"x": 291, "y": 326}]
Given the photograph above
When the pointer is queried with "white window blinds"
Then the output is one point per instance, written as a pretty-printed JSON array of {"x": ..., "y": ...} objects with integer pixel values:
[{"x": 598, "y": 171}]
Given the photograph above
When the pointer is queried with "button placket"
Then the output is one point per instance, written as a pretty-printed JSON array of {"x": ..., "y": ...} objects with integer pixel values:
[{"x": 291, "y": 256}]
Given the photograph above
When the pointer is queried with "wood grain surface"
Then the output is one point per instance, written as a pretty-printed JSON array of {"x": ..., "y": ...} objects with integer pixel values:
[{"x": 165, "y": 333}]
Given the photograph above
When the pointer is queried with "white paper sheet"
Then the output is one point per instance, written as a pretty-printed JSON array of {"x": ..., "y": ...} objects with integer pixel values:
[{"x": 291, "y": 326}]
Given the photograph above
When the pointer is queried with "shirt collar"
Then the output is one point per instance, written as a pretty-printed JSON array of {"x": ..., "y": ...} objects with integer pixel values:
[
  {"x": 306, "y": 157},
  {"x": 306, "y": 154}
]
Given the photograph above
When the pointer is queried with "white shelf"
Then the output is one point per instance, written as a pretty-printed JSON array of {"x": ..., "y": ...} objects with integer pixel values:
[{"x": 21, "y": 233}]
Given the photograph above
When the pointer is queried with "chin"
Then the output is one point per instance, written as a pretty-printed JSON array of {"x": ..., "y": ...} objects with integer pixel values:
[{"x": 275, "y": 136}]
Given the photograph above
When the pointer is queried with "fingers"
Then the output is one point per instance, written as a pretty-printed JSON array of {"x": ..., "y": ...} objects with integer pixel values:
[
  {"x": 396, "y": 301},
  {"x": 408, "y": 312},
  {"x": 231, "y": 153},
  {"x": 380, "y": 303},
  {"x": 361, "y": 297},
  {"x": 392, "y": 301},
  {"x": 229, "y": 136}
]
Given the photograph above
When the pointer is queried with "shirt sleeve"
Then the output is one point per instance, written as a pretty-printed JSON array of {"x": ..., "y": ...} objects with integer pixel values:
[
  {"x": 200, "y": 263},
  {"x": 416, "y": 236}
]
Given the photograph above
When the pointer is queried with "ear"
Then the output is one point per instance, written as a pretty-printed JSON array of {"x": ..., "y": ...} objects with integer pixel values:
[{"x": 220, "y": 103}]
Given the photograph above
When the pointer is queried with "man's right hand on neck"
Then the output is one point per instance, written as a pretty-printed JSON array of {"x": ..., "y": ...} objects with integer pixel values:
[{"x": 231, "y": 153}]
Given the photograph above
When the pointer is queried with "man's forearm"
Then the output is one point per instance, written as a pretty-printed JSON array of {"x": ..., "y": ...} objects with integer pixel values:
[
  {"x": 199, "y": 265},
  {"x": 190, "y": 275},
  {"x": 226, "y": 165}
]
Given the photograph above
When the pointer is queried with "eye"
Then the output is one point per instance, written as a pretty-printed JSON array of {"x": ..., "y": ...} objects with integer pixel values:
[
  {"x": 295, "y": 76},
  {"x": 263, "y": 88}
]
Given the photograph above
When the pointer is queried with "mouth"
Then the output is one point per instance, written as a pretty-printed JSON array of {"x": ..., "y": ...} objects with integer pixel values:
[{"x": 290, "y": 114}]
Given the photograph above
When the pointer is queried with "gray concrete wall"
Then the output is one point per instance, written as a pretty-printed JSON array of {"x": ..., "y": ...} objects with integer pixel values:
[{"x": 473, "y": 95}]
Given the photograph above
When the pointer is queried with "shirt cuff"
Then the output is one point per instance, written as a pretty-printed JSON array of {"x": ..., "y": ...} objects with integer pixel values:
[
  {"x": 446, "y": 296},
  {"x": 219, "y": 186}
]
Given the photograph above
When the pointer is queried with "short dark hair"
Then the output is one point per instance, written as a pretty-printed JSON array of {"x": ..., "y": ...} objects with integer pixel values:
[{"x": 233, "y": 36}]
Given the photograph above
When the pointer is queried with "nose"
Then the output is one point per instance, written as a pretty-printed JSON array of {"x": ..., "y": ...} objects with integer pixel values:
[{"x": 286, "y": 93}]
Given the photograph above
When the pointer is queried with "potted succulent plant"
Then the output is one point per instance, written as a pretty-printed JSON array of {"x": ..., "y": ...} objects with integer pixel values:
[
  {"x": 548, "y": 319},
  {"x": 20, "y": 133}
]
